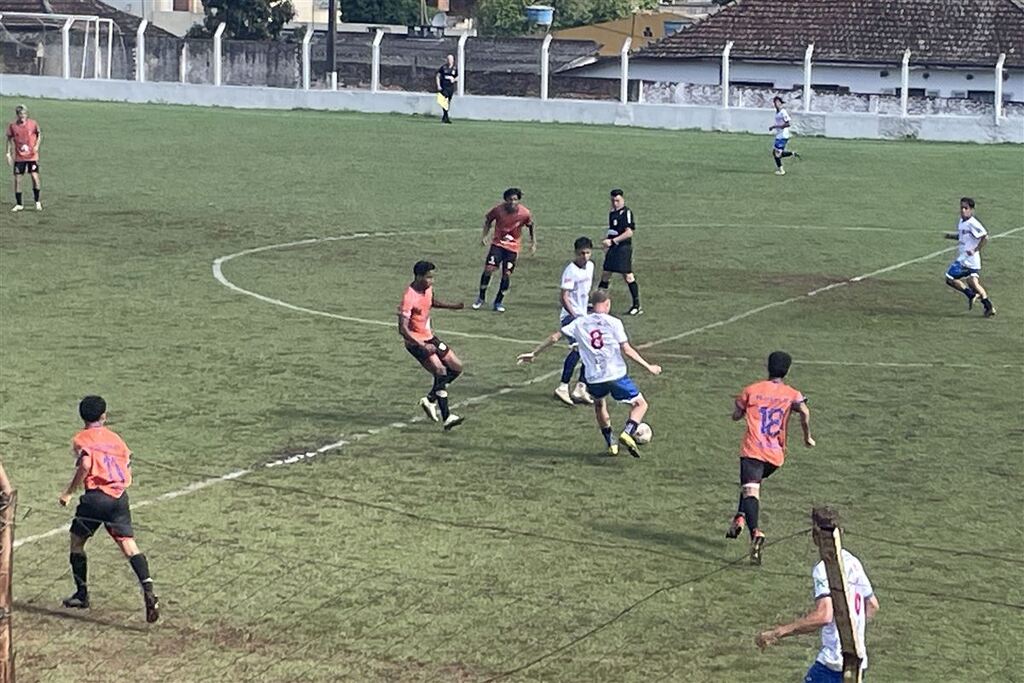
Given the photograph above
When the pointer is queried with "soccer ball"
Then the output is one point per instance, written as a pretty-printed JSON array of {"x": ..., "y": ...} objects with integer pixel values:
[{"x": 643, "y": 433}]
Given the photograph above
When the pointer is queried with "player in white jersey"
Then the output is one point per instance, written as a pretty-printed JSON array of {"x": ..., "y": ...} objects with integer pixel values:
[
  {"x": 963, "y": 274},
  {"x": 577, "y": 281},
  {"x": 781, "y": 128},
  {"x": 828, "y": 665},
  {"x": 602, "y": 343}
]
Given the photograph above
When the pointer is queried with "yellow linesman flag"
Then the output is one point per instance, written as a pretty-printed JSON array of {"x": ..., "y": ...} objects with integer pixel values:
[{"x": 443, "y": 101}]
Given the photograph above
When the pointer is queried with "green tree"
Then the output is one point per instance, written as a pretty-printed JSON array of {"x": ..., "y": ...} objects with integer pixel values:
[
  {"x": 508, "y": 17},
  {"x": 401, "y": 12},
  {"x": 244, "y": 19}
]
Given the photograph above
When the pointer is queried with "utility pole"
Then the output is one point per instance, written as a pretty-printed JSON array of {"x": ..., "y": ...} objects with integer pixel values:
[{"x": 332, "y": 32}]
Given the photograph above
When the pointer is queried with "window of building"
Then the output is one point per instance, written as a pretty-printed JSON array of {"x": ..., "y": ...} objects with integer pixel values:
[
  {"x": 182, "y": 5},
  {"x": 831, "y": 87},
  {"x": 987, "y": 96}
]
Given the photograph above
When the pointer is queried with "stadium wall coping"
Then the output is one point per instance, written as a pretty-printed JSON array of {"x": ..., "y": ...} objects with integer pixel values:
[{"x": 669, "y": 116}]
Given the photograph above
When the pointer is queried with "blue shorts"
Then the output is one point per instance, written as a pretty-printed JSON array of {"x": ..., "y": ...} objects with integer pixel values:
[
  {"x": 819, "y": 673},
  {"x": 780, "y": 143},
  {"x": 958, "y": 271},
  {"x": 621, "y": 389}
]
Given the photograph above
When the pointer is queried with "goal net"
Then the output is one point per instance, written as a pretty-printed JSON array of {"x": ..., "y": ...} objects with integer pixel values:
[{"x": 68, "y": 45}]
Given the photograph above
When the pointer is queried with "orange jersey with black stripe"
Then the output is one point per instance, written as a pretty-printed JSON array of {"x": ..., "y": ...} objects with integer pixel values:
[
  {"x": 106, "y": 459},
  {"x": 508, "y": 226},
  {"x": 25, "y": 136},
  {"x": 415, "y": 308},
  {"x": 767, "y": 405}
]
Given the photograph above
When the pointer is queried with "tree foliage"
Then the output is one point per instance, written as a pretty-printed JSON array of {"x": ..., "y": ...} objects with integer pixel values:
[
  {"x": 244, "y": 19},
  {"x": 401, "y": 12},
  {"x": 508, "y": 17}
]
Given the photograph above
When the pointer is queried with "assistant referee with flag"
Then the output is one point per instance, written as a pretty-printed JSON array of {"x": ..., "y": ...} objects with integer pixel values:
[{"x": 446, "y": 78}]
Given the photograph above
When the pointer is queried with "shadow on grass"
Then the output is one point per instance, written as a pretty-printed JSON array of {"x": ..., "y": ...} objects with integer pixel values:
[
  {"x": 713, "y": 549},
  {"x": 81, "y": 616}
]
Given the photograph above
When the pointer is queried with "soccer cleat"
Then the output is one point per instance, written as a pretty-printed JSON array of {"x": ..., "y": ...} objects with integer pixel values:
[
  {"x": 152, "y": 606},
  {"x": 971, "y": 301},
  {"x": 736, "y": 528},
  {"x": 581, "y": 394},
  {"x": 39, "y": 206},
  {"x": 562, "y": 394},
  {"x": 630, "y": 444},
  {"x": 780, "y": 171},
  {"x": 452, "y": 422},
  {"x": 77, "y": 601},
  {"x": 796, "y": 155},
  {"x": 757, "y": 548},
  {"x": 990, "y": 312},
  {"x": 613, "y": 449},
  {"x": 499, "y": 308},
  {"x": 431, "y": 409},
  {"x": 17, "y": 208},
  {"x": 477, "y": 304},
  {"x": 636, "y": 310}
]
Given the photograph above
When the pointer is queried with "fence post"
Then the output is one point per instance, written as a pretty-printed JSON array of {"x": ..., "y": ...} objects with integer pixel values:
[
  {"x": 217, "y": 45},
  {"x": 545, "y": 66},
  {"x": 807, "y": 76},
  {"x": 725, "y": 74},
  {"x": 462, "y": 63},
  {"x": 8, "y": 503},
  {"x": 624, "y": 66},
  {"x": 999, "y": 87},
  {"x": 96, "y": 52},
  {"x": 140, "y": 51},
  {"x": 183, "y": 63},
  {"x": 110, "y": 49},
  {"x": 305, "y": 56},
  {"x": 905, "y": 83},
  {"x": 375, "y": 61},
  {"x": 65, "y": 45}
]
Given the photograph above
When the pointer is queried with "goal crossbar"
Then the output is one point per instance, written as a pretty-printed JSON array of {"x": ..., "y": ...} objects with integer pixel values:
[{"x": 68, "y": 20}]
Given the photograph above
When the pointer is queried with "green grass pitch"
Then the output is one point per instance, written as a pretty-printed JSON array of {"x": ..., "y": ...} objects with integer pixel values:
[{"x": 510, "y": 546}]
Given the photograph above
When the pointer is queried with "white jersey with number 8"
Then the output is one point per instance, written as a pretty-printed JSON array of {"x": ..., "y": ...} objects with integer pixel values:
[{"x": 599, "y": 336}]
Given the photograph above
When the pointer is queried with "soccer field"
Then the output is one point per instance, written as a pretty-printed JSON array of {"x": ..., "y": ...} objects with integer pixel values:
[{"x": 228, "y": 281}]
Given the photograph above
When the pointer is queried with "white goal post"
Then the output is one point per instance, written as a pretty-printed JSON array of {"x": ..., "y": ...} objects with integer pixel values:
[{"x": 93, "y": 26}]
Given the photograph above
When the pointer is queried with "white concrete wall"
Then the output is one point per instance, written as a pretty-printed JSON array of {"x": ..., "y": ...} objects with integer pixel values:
[
  {"x": 841, "y": 125},
  {"x": 859, "y": 79}
]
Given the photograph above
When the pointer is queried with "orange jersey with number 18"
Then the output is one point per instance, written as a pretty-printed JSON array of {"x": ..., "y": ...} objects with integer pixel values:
[
  {"x": 106, "y": 459},
  {"x": 767, "y": 405}
]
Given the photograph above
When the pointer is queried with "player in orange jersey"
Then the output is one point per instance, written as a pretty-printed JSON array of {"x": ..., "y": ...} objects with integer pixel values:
[
  {"x": 23, "y": 137},
  {"x": 509, "y": 218},
  {"x": 103, "y": 465},
  {"x": 434, "y": 355},
  {"x": 766, "y": 406}
]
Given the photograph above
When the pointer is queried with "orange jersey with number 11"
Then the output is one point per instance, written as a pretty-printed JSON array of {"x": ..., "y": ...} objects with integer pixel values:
[{"x": 106, "y": 459}]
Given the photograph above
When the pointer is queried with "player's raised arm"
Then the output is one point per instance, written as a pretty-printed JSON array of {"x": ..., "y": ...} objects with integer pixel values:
[
  {"x": 547, "y": 343},
  {"x": 633, "y": 354},
  {"x": 450, "y": 306},
  {"x": 805, "y": 422}
]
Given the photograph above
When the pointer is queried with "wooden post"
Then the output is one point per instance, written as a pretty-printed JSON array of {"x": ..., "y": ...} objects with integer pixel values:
[
  {"x": 831, "y": 552},
  {"x": 8, "y": 503}
]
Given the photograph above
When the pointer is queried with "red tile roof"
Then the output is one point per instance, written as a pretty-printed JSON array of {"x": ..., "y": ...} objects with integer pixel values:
[{"x": 948, "y": 32}]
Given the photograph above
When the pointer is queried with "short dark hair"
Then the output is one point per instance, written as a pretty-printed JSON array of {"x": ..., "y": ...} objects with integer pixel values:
[
  {"x": 968, "y": 201},
  {"x": 91, "y": 408},
  {"x": 599, "y": 297},
  {"x": 825, "y": 517},
  {"x": 21, "y": 108},
  {"x": 778, "y": 364},
  {"x": 778, "y": 98},
  {"x": 617, "y": 193},
  {"x": 582, "y": 243},
  {"x": 512, "y": 192},
  {"x": 422, "y": 268}
]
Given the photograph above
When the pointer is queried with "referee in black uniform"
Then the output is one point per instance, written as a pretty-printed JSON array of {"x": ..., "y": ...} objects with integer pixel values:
[
  {"x": 446, "y": 78},
  {"x": 619, "y": 249}
]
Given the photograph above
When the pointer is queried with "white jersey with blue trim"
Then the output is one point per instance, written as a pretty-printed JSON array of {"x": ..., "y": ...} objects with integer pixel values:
[
  {"x": 970, "y": 232},
  {"x": 577, "y": 281},
  {"x": 831, "y": 652},
  {"x": 781, "y": 118},
  {"x": 599, "y": 337}
]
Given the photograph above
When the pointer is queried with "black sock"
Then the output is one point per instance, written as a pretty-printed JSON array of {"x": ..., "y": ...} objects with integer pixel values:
[
  {"x": 485, "y": 280},
  {"x": 787, "y": 154},
  {"x": 634, "y": 291},
  {"x": 440, "y": 393},
  {"x": 141, "y": 567},
  {"x": 603, "y": 285},
  {"x": 631, "y": 426},
  {"x": 969, "y": 293},
  {"x": 583, "y": 375},
  {"x": 751, "y": 508},
  {"x": 986, "y": 303},
  {"x": 606, "y": 432},
  {"x": 17, "y": 198},
  {"x": 452, "y": 375},
  {"x": 35, "y": 193},
  {"x": 80, "y": 571},
  {"x": 569, "y": 364},
  {"x": 778, "y": 161},
  {"x": 502, "y": 288}
]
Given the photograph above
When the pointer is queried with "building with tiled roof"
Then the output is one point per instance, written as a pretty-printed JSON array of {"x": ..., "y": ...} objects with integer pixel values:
[{"x": 858, "y": 47}]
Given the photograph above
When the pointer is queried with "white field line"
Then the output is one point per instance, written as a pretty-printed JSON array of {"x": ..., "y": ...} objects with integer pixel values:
[
  {"x": 839, "y": 363},
  {"x": 288, "y": 460}
]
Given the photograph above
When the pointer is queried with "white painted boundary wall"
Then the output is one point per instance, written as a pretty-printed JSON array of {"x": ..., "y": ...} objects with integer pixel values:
[{"x": 833, "y": 125}]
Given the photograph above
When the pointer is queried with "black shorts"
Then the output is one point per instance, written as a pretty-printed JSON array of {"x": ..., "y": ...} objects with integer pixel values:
[
  {"x": 420, "y": 354},
  {"x": 95, "y": 508},
  {"x": 497, "y": 255},
  {"x": 23, "y": 167},
  {"x": 752, "y": 470},
  {"x": 618, "y": 260}
]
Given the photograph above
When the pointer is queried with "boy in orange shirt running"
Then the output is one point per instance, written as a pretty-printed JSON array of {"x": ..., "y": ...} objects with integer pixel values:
[
  {"x": 103, "y": 465},
  {"x": 766, "y": 406},
  {"x": 509, "y": 218}
]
